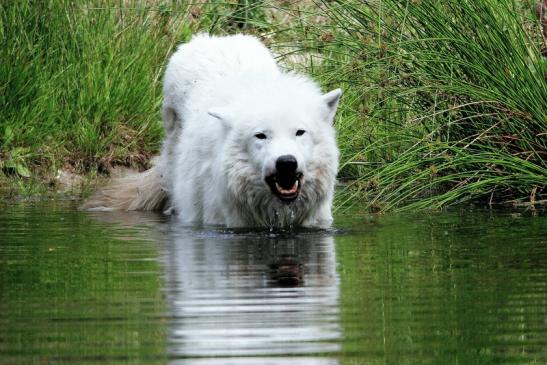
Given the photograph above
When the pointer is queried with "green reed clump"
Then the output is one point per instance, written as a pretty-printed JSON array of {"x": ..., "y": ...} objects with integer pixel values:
[
  {"x": 446, "y": 102},
  {"x": 80, "y": 82}
]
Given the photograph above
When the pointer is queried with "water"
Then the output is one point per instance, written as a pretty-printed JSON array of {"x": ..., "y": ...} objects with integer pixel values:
[{"x": 451, "y": 288}]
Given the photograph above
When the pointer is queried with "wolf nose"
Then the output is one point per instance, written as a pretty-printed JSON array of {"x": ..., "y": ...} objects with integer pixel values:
[{"x": 286, "y": 164}]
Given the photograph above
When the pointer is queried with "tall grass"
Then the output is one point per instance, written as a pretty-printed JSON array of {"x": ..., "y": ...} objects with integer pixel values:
[
  {"x": 447, "y": 102},
  {"x": 81, "y": 82}
]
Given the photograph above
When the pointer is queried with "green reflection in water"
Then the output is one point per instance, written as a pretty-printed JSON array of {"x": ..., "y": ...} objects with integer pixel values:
[
  {"x": 73, "y": 290},
  {"x": 466, "y": 288}
]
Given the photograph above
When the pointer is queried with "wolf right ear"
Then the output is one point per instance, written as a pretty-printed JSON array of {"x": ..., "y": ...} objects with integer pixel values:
[{"x": 331, "y": 100}]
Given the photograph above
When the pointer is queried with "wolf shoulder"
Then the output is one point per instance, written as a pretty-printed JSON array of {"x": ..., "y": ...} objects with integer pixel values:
[{"x": 208, "y": 57}]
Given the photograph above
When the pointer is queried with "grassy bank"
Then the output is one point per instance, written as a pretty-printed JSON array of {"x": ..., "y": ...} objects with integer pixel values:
[
  {"x": 444, "y": 102},
  {"x": 81, "y": 84}
]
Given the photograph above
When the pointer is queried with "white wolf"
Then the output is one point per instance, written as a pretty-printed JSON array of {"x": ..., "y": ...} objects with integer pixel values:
[{"x": 246, "y": 144}]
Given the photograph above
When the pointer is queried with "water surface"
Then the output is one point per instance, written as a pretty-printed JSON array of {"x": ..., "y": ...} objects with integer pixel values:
[{"x": 448, "y": 288}]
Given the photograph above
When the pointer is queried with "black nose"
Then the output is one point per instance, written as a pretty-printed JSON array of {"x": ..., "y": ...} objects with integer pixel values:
[{"x": 286, "y": 165}]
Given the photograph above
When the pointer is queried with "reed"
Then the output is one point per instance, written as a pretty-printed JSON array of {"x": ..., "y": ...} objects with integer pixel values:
[{"x": 447, "y": 102}]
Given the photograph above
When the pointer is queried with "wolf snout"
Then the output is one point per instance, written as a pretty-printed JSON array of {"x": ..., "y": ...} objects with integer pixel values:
[
  {"x": 285, "y": 167},
  {"x": 285, "y": 182}
]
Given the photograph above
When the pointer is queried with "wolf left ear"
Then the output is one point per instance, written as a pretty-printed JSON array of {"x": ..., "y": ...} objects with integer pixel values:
[
  {"x": 222, "y": 115},
  {"x": 331, "y": 100}
]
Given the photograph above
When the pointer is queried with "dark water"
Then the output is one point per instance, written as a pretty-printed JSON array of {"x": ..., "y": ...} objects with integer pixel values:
[{"x": 451, "y": 288}]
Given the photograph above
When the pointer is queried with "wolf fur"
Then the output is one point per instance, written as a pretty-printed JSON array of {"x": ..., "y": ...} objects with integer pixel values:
[{"x": 222, "y": 95}]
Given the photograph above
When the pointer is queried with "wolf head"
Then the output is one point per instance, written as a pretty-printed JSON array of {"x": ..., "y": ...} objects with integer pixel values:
[{"x": 280, "y": 157}]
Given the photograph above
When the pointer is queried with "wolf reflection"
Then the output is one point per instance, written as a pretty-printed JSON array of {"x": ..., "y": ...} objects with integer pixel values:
[{"x": 238, "y": 295}]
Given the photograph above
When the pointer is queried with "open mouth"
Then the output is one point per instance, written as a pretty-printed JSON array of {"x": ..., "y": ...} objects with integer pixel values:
[{"x": 285, "y": 188}]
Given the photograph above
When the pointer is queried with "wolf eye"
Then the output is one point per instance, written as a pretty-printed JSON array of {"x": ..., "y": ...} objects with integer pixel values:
[
  {"x": 300, "y": 132},
  {"x": 260, "y": 136}
]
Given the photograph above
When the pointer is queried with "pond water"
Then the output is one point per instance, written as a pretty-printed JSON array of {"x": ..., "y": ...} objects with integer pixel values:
[{"x": 447, "y": 288}]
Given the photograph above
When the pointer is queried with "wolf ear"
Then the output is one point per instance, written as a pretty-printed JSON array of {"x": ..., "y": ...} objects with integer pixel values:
[
  {"x": 331, "y": 100},
  {"x": 169, "y": 116},
  {"x": 221, "y": 115}
]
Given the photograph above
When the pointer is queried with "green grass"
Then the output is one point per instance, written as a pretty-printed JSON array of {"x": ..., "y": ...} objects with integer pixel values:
[
  {"x": 444, "y": 100},
  {"x": 80, "y": 84},
  {"x": 447, "y": 102}
]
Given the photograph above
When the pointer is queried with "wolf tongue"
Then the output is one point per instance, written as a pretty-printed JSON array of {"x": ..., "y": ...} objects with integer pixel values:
[{"x": 292, "y": 190}]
